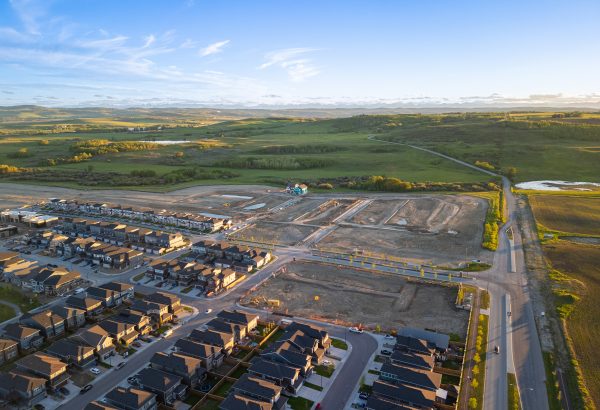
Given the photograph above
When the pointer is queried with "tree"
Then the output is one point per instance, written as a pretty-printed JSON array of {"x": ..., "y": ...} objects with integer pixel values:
[
  {"x": 477, "y": 358},
  {"x": 179, "y": 154},
  {"x": 475, "y": 383},
  {"x": 473, "y": 403},
  {"x": 475, "y": 370},
  {"x": 511, "y": 173}
]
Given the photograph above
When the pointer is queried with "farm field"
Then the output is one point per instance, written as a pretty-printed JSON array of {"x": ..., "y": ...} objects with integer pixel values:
[
  {"x": 356, "y": 296},
  {"x": 579, "y": 214}
]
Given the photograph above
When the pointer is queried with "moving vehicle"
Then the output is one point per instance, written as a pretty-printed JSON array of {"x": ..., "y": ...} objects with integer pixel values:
[
  {"x": 497, "y": 349},
  {"x": 354, "y": 329},
  {"x": 363, "y": 396},
  {"x": 386, "y": 352},
  {"x": 86, "y": 388},
  {"x": 95, "y": 370},
  {"x": 208, "y": 311},
  {"x": 120, "y": 365}
]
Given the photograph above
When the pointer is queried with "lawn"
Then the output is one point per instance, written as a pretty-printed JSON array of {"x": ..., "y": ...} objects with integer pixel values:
[
  {"x": 6, "y": 312},
  {"x": 313, "y": 386},
  {"x": 339, "y": 344},
  {"x": 139, "y": 276},
  {"x": 514, "y": 402},
  {"x": 579, "y": 214},
  {"x": 223, "y": 389},
  {"x": 325, "y": 370},
  {"x": 15, "y": 295},
  {"x": 299, "y": 403},
  {"x": 239, "y": 372}
]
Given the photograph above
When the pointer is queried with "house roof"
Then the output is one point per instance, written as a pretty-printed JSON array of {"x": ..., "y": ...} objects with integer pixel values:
[
  {"x": 238, "y": 402},
  {"x": 67, "y": 312},
  {"x": 257, "y": 386},
  {"x": 176, "y": 361},
  {"x": 439, "y": 340},
  {"x": 96, "y": 292},
  {"x": 408, "y": 394},
  {"x": 117, "y": 286},
  {"x": 7, "y": 344},
  {"x": 416, "y": 377},
  {"x": 211, "y": 337},
  {"x": 157, "y": 379},
  {"x": 131, "y": 397},
  {"x": 114, "y": 328},
  {"x": 236, "y": 316},
  {"x": 310, "y": 330},
  {"x": 163, "y": 298},
  {"x": 61, "y": 278},
  {"x": 82, "y": 302},
  {"x": 42, "y": 363},
  {"x": 289, "y": 352},
  {"x": 273, "y": 369},
  {"x": 414, "y": 344},
  {"x": 17, "y": 331},
  {"x": 379, "y": 403},
  {"x": 96, "y": 405},
  {"x": 93, "y": 335},
  {"x": 300, "y": 339},
  {"x": 220, "y": 325},
  {"x": 194, "y": 348},
  {"x": 46, "y": 318},
  {"x": 413, "y": 359},
  {"x": 6, "y": 256},
  {"x": 20, "y": 381},
  {"x": 65, "y": 347},
  {"x": 144, "y": 306},
  {"x": 130, "y": 317}
]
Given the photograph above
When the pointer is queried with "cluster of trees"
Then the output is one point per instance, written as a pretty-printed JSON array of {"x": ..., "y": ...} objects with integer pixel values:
[
  {"x": 480, "y": 347},
  {"x": 485, "y": 165},
  {"x": 388, "y": 184},
  {"x": 21, "y": 153},
  {"x": 101, "y": 147},
  {"x": 84, "y": 156},
  {"x": 275, "y": 163},
  {"x": 493, "y": 218},
  {"x": 391, "y": 184},
  {"x": 300, "y": 149},
  {"x": 9, "y": 169}
]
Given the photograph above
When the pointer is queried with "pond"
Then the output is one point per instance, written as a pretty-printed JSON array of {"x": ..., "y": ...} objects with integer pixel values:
[
  {"x": 558, "y": 185},
  {"x": 169, "y": 142}
]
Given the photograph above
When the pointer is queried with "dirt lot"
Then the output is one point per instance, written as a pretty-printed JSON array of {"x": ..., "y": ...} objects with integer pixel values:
[
  {"x": 356, "y": 296},
  {"x": 328, "y": 211},
  {"x": 444, "y": 230},
  {"x": 289, "y": 214},
  {"x": 278, "y": 233},
  {"x": 567, "y": 213}
]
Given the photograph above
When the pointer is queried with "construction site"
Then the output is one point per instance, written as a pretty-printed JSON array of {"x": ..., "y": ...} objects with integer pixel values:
[{"x": 360, "y": 297}]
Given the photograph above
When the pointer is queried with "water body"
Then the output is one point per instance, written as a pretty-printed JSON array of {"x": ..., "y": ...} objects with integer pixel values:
[
  {"x": 169, "y": 142},
  {"x": 236, "y": 196},
  {"x": 557, "y": 185}
]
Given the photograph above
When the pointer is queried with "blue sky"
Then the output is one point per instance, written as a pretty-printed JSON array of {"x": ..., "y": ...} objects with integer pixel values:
[{"x": 421, "y": 52}]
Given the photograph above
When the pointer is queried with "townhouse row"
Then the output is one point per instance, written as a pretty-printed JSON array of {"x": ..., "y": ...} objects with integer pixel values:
[{"x": 163, "y": 217}]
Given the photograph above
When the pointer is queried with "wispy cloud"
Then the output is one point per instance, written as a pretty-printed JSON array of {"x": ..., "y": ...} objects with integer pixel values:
[
  {"x": 29, "y": 12},
  {"x": 293, "y": 61},
  {"x": 213, "y": 48}
]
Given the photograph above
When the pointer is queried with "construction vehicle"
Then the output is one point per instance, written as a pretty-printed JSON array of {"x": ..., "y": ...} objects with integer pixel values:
[{"x": 274, "y": 302}]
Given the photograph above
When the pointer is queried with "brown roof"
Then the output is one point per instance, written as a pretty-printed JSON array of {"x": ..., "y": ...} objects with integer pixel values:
[
  {"x": 18, "y": 332},
  {"x": 42, "y": 363},
  {"x": 7, "y": 344}
]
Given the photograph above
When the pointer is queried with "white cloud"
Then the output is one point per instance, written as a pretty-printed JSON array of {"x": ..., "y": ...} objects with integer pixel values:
[
  {"x": 298, "y": 69},
  {"x": 188, "y": 43},
  {"x": 149, "y": 40},
  {"x": 213, "y": 48},
  {"x": 29, "y": 12}
]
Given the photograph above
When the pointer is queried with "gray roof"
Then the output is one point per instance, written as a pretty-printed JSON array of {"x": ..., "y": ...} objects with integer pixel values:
[
  {"x": 196, "y": 349},
  {"x": 379, "y": 403},
  {"x": 17, "y": 331},
  {"x": 65, "y": 347},
  {"x": 408, "y": 394},
  {"x": 157, "y": 379},
  {"x": 414, "y": 377},
  {"x": 131, "y": 397},
  {"x": 412, "y": 359},
  {"x": 236, "y": 317},
  {"x": 257, "y": 387},
  {"x": 272, "y": 369},
  {"x": 309, "y": 330},
  {"x": 82, "y": 302},
  {"x": 239, "y": 402},
  {"x": 116, "y": 286},
  {"x": 180, "y": 363},
  {"x": 20, "y": 381},
  {"x": 440, "y": 340},
  {"x": 414, "y": 344},
  {"x": 211, "y": 337}
]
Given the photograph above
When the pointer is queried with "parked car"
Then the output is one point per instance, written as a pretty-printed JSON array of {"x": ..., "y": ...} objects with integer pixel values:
[
  {"x": 363, "y": 396},
  {"x": 132, "y": 380},
  {"x": 120, "y": 365},
  {"x": 95, "y": 370},
  {"x": 386, "y": 352},
  {"x": 389, "y": 337},
  {"x": 64, "y": 391},
  {"x": 208, "y": 311},
  {"x": 326, "y": 362},
  {"x": 86, "y": 388},
  {"x": 355, "y": 330},
  {"x": 136, "y": 344},
  {"x": 125, "y": 354}
]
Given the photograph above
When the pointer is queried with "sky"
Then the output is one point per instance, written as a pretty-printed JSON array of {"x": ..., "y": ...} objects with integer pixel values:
[{"x": 299, "y": 53}]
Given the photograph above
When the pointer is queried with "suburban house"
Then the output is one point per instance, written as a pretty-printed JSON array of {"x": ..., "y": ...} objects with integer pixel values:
[
  {"x": 99, "y": 339},
  {"x": 237, "y": 331},
  {"x": 412, "y": 359},
  {"x": 172, "y": 301},
  {"x": 26, "y": 388},
  {"x": 157, "y": 240},
  {"x": 248, "y": 320},
  {"x": 140, "y": 322},
  {"x": 45, "y": 366},
  {"x": 166, "y": 386},
  {"x": 236, "y": 402},
  {"x": 404, "y": 395},
  {"x": 49, "y": 323},
  {"x": 123, "y": 333},
  {"x": 131, "y": 399},
  {"x": 123, "y": 290},
  {"x": 71, "y": 352},
  {"x": 91, "y": 307},
  {"x": 259, "y": 389},
  {"x": 289, "y": 354},
  {"x": 187, "y": 367},
  {"x": 9, "y": 349},
  {"x": 313, "y": 331},
  {"x": 214, "y": 338},
  {"x": 210, "y": 356},
  {"x": 305, "y": 344},
  {"x": 423, "y": 379},
  {"x": 109, "y": 298},
  {"x": 96, "y": 405},
  {"x": 412, "y": 344},
  {"x": 74, "y": 317},
  {"x": 157, "y": 311},
  {"x": 8, "y": 259},
  {"x": 27, "y": 337},
  {"x": 287, "y": 377}
]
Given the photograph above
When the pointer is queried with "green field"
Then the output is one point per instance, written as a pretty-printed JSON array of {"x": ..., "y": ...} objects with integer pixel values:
[{"x": 579, "y": 214}]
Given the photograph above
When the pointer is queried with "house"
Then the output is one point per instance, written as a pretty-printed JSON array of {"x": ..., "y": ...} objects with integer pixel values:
[
  {"x": 287, "y": 377},
  {"x": 166, "y": 386},
  {"x": 123, "y": 290},
  {"x": 248, "y": 320},
  {"x": 259, "y": 389},
  {"x": 74, "y": 317},
  {"x": 237, "y": 331},
  {"x": 412, "y": 359},
  {"x": 210, "y": 356},
  {"x": 91, "y": 307},
  {"x": 131, "y": 399},
  {"x": 26, "y": 337},
  {"x": 413, "y": 344},
  {"x": 71, "y": 352},
  {"x": 423, "y": 379},
  {"x": 405, "y": 395},
  {"x": 109, "y": 298},
  {"x": 49, "y": 323},
  {"x": 45, "y": 366},
  {"x": 313, "y": 331},
  {"x": 158, "y": 239},
  {"x": 439, "y": 341},
  {"x": 157, "y": 311},
  {"x": 172, "y": 301},
  {"x": 140, "y": 322},
  {"x": 305, "y": 343},
  {"x": 123, "y": 333},
  {"x": 214, "y": 338},
  {"x": 380, "y": 403},
  {"x": 8, "y": 259},
  {"x": 99, "y": 340},
  {"x": 187, "y": 367},
  {"x": 238, "y": 402},
  {"x": 9, "y": 349},
  {"x": 28, "y": 390},
  {"x": 8, "y": 230},
  {"x": 289, "y": 354},
  {"x": 96, "y": 405}
]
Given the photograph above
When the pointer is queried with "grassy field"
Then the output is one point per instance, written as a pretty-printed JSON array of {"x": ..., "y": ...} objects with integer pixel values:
[
  {"x": 514, "y": 402},
  {"x": 579, "y": 214},
  {"x": 6, "y": 312}
]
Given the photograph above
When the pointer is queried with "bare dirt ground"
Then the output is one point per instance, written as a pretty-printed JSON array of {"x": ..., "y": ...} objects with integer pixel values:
[
  {"x": 327, "y": 211},
  {"x": 278, "y": 233},
  {"x": 355, "y": 296},
  {"x": 443, "y": 230},
  {"x": 218, "y": 199},
  {"x": 289, "y": 214}
]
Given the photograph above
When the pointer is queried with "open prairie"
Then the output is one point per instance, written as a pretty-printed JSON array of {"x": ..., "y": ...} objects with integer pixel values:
[{"x": 578, "y": 214}]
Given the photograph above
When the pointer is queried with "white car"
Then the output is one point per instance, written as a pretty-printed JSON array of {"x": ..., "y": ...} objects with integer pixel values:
[
  {"x": 389, "y": 337},
  {"x": 355, "y": 330},
  {"x": 208, "y": 311},
  {"x": 95, "y": 370}
]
